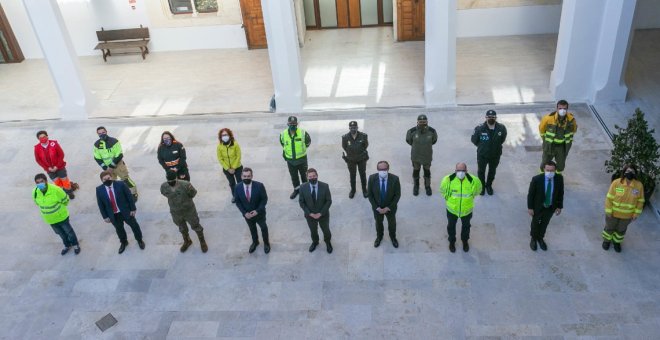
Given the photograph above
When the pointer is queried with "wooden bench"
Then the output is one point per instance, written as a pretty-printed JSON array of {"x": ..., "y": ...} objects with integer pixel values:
[{"x": 123, "y": 39}]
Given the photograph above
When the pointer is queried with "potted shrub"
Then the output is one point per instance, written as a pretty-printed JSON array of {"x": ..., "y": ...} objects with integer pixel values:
[{"x": 635, "y": 144}]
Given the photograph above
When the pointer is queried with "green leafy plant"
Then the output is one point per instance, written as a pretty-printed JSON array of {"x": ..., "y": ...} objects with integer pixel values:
[{"x": 635, "y": 144}]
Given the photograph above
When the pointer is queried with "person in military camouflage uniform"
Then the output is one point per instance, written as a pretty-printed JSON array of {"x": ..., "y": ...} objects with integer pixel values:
[
  {"x": 355, "y": 144},
  {"x": 109, "y": 155},
  {"x": 422, "y": 138},
  {"x": 180, "y": 195}
]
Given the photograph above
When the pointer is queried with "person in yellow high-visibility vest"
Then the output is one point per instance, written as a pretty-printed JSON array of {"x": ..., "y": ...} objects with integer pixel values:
[
  {"x": 459, "y": 190},
  {"x": 623, "y": 204},
  {"x": 295, "y": 142},
  {"x": 52, "y": 202},
  {"x": 557, "y": 130}
]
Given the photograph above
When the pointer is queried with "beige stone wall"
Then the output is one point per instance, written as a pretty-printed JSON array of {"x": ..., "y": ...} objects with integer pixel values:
[
  {"x": 229, "y": 13},
  {"x": 474, "y": 4}
]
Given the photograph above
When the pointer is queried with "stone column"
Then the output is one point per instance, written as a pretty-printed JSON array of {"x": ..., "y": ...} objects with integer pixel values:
[
  {"x": 592, "y": 50},
  {"x": 76, "y": 101},
  {"x": 284, "y": 55},
  {"x": 440, "y": 53}
]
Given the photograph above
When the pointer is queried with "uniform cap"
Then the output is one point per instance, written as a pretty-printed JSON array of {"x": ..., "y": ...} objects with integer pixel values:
[
  {"x": 491, "y": 113},
  {"x": 352, "y": 124},
  {"x": 292, "y": 120},
  {"x": 422, "y": 117}
]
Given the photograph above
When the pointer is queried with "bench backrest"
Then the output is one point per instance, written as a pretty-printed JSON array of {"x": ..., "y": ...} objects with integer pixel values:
[{"x": 123, "y": 34}]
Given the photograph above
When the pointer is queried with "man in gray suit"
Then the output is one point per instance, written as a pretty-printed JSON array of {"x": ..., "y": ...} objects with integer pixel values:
[{"x": 315, "y": 201}]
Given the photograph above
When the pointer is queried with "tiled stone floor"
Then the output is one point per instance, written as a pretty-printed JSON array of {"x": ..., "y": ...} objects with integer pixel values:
[{"x": 500, "y": 289}]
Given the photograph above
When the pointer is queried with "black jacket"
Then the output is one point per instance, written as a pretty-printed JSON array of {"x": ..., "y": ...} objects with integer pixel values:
[
  {"x": 323, "y": 199},
  {"x": 172, "y": 156},
  {"x": 355, "y": 149},
  {"x": 489, "y": 142},
  {"x": 391, "y": 197},
  {"x": 536, "y": 193}
]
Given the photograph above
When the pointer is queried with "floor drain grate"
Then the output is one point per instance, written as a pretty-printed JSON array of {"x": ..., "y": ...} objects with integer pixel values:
[{"x": 106, "y": 322}]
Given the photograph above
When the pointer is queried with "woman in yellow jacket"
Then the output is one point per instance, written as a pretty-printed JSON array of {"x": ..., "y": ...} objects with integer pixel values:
[
  {"x": 623, "y": 204},
  {"x": 229, "y": 156}
]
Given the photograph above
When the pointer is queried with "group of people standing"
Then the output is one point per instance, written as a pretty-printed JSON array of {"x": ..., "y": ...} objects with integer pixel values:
[{"x": 117, "y": 195}]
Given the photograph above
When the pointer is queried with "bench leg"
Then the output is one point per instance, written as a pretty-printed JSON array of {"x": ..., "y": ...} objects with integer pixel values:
[
  {"x": 105, "y": 59},
  {"x": 143, "y": 52},
  {"x": 147, "y": 49}
]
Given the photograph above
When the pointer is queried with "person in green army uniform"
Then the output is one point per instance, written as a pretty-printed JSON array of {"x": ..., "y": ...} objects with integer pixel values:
[
  {"x": 180, "y": 195},
  {"x": 421, "y": 138},
  {"x": 52, "y": 201},
  {"x": 108, "y": 154}
]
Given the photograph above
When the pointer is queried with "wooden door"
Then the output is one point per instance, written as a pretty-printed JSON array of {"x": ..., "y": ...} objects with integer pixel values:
[
  {"x": 411, "y": 22},
  {"x": 348, "y": 13},
  {"x": 10, "y": 52},
  {"x": 253, "y": 24}
]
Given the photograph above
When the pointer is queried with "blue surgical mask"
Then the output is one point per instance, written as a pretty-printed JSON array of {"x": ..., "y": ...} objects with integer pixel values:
[
  {"x": 41, "y": 186},
  {"x": 167, "y": 141},
  {"x": 382, "y": 174}
]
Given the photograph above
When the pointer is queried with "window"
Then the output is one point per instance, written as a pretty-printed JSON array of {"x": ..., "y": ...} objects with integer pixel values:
[{"x": 186, "y": 6}]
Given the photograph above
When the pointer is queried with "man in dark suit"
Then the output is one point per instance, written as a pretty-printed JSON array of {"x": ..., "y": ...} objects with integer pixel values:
[
  {"x": 384, "y": 192},
  {"x": 251, "y": 199},
  {"x": 117, "y": 206},
  {"x": 545, "y": 197},
  {"x": 315, "y": 201}
]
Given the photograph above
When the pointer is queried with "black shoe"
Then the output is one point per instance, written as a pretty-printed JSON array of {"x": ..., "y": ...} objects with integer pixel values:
[
  {"x": 452, "y": 247},
  {"x": 122, "y": 247},
  {"x": 617, "y": 247},
  {"x": 415, "y": 190},
  {"x": 76, "y": 249},
  {"x": 377, "y": 242},
  {"x": 65, "y": 250},
  {"x": 351, "y": 194},
  {"x": 542, "y": 245},
  {"x": 233, "y": 200},
  {"x": 466, "y": 246},
  {"x": 313, "y": 246},
  {"x": 294, "y": 194},
  {"x": 141, "y": 244},
  {"x": 428, "y": 191},
  {"x": 395, "y": 243},
  {"x": 606, "y": 245},
  {"x": 253, "y": 246},
  {"x": 266, "y": 248},
  {"x": 532, "y": 244},
  {"x": 364, "y": 193},
  {"x": 328, "y": 247},
  {"x": 71, "y": 195},
  {"x": 489, "y": 190},
  {"x": 483, "y": 191}
]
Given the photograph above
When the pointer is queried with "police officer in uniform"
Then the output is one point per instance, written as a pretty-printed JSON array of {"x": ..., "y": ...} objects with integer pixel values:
[
  {"x": 488, "y": 138},
  {"x": 180, "y": 195},
  {"x": 295, "y": 142},
  {"x": 422, "y": 138},
  {"x": 355, "y": 144}
]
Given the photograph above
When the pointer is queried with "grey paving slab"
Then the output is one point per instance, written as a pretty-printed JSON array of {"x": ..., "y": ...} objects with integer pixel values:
[{"x": 500, "y": 289}]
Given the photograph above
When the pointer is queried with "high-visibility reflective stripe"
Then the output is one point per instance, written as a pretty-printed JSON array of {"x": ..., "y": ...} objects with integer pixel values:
[
  {"x": 48, "y": 212},
  {"x": 641, "y": 200},
  {"x": 638, "y": 211},
  {"x": 626, "y": 205},
  {"x": 461, "y": 195},
  {"x": 616, "y": 237},
  {"x": 607, "y": 236},
  {"x": 610, "y": 195},
  {"x": 49, "y": 206},
  {"x": 608, "y": 211},
  {"x": 625, "y": 211}
]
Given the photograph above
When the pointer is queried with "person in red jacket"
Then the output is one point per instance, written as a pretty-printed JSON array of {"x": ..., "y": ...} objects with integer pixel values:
[{"x": 50, "y": 156}]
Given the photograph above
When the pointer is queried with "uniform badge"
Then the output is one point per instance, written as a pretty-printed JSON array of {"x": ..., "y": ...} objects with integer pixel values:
[
  {"x": 635, "y": 192},
  {"x": 175, "y": 151},
  {"x": 499, "y": 133},
  {"x": 349, "y": 142}
]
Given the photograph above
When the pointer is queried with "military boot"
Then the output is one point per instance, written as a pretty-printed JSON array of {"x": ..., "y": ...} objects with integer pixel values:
[
  {"x": 187, "y": 242},
  {"x": 416, "y": 186},
  {"x": 427, "y": 186},
  {"x": 202, "y": 241}
]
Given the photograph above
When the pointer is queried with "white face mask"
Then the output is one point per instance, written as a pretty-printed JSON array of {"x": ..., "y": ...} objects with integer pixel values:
[
  {"x": 562, "y": 112},
  {"x": 549, "y": 174},
  {"x": 382, "y": 174},
  {"x": 225, "y": 139},
  {"x": 460, "y": 174}
]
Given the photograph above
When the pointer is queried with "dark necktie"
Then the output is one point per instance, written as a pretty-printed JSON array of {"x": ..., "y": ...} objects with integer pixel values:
[
  {"x": 548, "y": 194},
  {"x": 383, "y": 190},
  {"x": 314, "y": 194}
]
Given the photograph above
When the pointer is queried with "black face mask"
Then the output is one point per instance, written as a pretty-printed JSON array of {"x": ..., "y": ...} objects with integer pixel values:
[
  {"x": 353, "y": 130},
  {"x": 171, "y": 183},
  {"x": 247, "y": 181},
  {"x": 107, "y": 183},
  {"x": 629, "y": 175},
  {"x": 313, "y": 181},
  {"x": 103, "y": 136},
  {"x": 491, "y": 121}
]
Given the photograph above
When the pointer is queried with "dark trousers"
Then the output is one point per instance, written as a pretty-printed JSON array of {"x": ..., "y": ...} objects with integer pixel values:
[
  {"x": 451, "y": 227},
  {"x": 391, "y": 224},
  {"x": 121, "y": 232},
  {"x": 313, "y": 225},
  {"x": 252, "y": 224},
  {"x": 540, "y": 222},
  {"x": 65, "y": 230},
  {"x": 360, "y": 166},
  {"x": 295, "y": 170},
  {"x": 234, "y": 179},
  {"x": 492, "y": 163},
  {"x": 417, "y": 167}
]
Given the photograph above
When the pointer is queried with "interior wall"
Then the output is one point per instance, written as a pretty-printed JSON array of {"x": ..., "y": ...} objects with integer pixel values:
[
  {"x": 521, "y": 20},
  {"x": 647, "y": 14}
]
